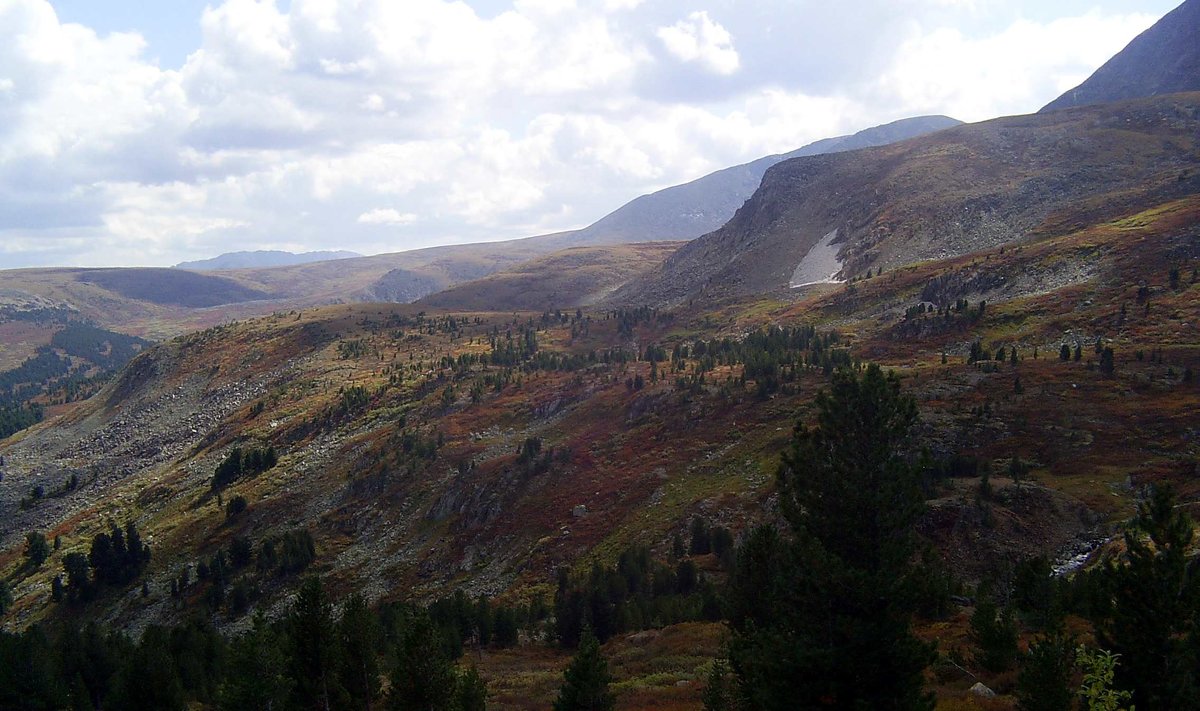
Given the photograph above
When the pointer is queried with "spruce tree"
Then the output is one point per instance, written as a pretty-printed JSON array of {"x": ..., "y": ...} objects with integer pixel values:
[
  {"x": 1156, "y": 594},
  {"x": 994, "y": 632},
  {"x": 358, "y": 637},
  {"x": 6, "y": 599},
  {"x": 470, "y": 692},
  {"x": 313, "y": 648},
  {"x": 423, "y": 679},
  {"x": 1044, "y": 683},
  {"x": 37, "y": 550},
  {"x": 586, "y": 679},
  {"x": 719, "y": 692},
  {"x": 257, "y": 676},
  {"x": 823, "y": 618}
]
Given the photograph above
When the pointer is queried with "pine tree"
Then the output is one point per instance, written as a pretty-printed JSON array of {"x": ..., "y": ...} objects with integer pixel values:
[
  {"x": 313, "y": 646},
  {"x": 824, "y": 618},
  {"x": 719, "y": 692},
  {"x": 148, "y": 679},
  {"x": 1153, "y": 626},
  {"x": 37, "y": 550},
  {"x": 1107, "y": 365},
  {"x": 257, "y": 676},
  {"x": 586, "y": 679},
  {"x": 358, "y": 637},
  {"x": 994, "y": 633},
  {"x": 1044, "y": 683},
  {"x": 470, "y": 693},
  {"x": 423, "y": 679},
  {"x": 6, "y": 599}
]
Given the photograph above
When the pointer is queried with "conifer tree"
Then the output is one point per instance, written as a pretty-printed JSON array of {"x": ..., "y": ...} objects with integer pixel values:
[
  {"x": 423, "y": 679},
  {"x": 37, "y": 550},
  {"x": 471, "y": 692},
  {"x": 719, "y": 691},
  {"x": 994, "y": 632},
  {"x": 358, "y": 637},
  {"x": 257, "y": 676},
  {"x": 1156, "y": 594},
  {"x": 313, "y": 648},
  {"x": 824, "y": 618},
  {"x": 1044, "y": 683},
  {"x": 586, "y": 679}
]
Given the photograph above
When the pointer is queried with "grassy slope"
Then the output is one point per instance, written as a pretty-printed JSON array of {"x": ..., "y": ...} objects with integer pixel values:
[
  {"x": 643, "y": 462},
  {"x": 581, "y": 276}
]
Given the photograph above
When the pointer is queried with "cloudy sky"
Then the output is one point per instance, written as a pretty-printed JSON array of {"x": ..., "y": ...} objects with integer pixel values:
[{"x": 136, "y": 133}]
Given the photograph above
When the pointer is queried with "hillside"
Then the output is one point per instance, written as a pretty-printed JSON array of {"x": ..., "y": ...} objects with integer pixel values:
[
  {"x": 426, "y": 452},
  {"x": 263, "y": 258},
  {"x": 356, "y": 397},
  {"x": 162, "y": 303},
  {"x": 687, "y": 211},
  {"x": 1164, "y": 59},
  {"x": 571, "y": 278},
  {"x": 1003, "y": 182}
]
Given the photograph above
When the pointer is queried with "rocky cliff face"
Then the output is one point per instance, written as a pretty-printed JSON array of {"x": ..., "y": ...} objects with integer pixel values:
[
  {"x": 950, "y": 193},
  {"x": 1164, "y": 59}
]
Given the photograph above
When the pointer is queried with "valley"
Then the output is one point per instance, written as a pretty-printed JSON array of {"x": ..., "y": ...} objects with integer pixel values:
[{"x": 924, "y": 397}]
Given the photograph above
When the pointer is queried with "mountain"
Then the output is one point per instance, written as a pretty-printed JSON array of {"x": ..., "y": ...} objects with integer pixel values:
[
  {"x": 263, "y": 258},
  {"x": 161, "y": 303},
  {"x": 687, "y": 211},
  {"x": 567, "y": 279},
  {"x": 962, "y": 190},
  {"x": 1164, "y": 59},
  {"x": 1038, "y": 301}
]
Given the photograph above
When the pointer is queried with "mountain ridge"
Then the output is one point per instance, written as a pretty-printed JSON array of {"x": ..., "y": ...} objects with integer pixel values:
[
  {"x": 263, "y": 258},
  {"x": 696, "y": 207},
  {"x": 1164, "y": 59},
  {"x": 957, "y": 191}
]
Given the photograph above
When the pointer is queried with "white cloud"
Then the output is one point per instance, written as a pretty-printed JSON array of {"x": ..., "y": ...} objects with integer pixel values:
[
  {"x": 1014, "y": 70},
  {"x": 702, "y": 40},
  {"x": 387, "y": 216},
  {"x": 324, "y": 122}
]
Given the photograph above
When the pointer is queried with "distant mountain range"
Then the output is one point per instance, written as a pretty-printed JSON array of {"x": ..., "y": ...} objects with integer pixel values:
[
  {"x": 263, "y": 258},
  {"x": 1164, "y": 59},
  {"x": 686, "y": 211}
]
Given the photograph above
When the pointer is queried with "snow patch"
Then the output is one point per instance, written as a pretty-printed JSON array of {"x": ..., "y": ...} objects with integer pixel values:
[{"x": 820, "y": 266}]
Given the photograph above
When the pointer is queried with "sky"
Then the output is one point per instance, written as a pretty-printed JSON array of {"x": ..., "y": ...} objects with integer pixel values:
[{"x": 145, "y": 134}]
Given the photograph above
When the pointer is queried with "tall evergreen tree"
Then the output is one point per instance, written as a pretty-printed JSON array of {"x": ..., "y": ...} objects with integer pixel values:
[
  {"x": 6, "y": 599},
  {"x": 313, "y": 648},
  {"x": 148, "y": 679},
  {"x": 822, "y": 620},
  {"x": 586, "y": 679},
  {"x": 358, "y": 636},
  {"x": 258, "y": 675},
  {"x": 470, "y": 692},
  {"x": 1044, "y": 683},
  {"x": 423, "y": 679},
  {"x": 1156, "y": 602},
  {"x": 994, "y": 632}
]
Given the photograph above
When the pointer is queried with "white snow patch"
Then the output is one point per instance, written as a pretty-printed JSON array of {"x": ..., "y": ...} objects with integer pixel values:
[{"x": 820, "y": 265}]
